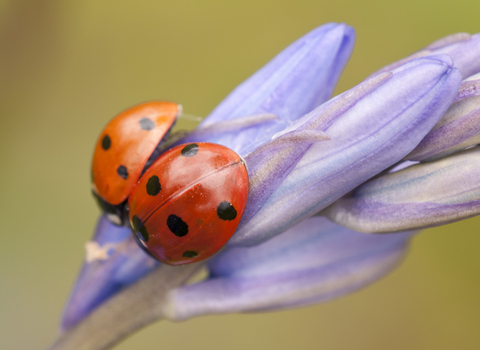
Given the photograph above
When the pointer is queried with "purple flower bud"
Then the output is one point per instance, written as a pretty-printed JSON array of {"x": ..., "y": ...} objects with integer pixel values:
[
  {"x": 457, "y": 129},
  {"x": 313, "y": 261},
  {"x": 463, "y": 48},
  {"x": 296, "y": 81},
  {"x": 419, "y": 196},
  {"x": 370, "y": 128}
]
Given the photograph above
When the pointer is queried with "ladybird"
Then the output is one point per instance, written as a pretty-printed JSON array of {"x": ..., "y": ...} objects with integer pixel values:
[
  {"x": 189, "y": 203},
  {"x": 123, "y": 150}
]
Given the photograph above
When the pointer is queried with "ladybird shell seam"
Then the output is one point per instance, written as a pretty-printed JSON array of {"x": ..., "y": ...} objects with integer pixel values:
[{"x": 186, "y": 188}]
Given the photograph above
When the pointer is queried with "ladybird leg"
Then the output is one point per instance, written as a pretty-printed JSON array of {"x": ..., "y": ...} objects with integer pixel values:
[
  {"x": 228, "y": 126},
  {"x": 171, "y": 139},
  {"x": 168, "y": 140}
]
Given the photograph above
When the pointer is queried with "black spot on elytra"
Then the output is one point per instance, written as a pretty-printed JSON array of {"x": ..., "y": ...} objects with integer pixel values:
[
  {"x": 226, "y": 211},
  {"x": 136, "y": 222},
  {"x": 190, "y": 254},
  {"x": 177, "y": 226},
  {"x": 106, "y": 142},
  {"x": 123, "y": 172},
  {"x": 143, "y": 234},
  {"x": 153, "y": 186},
  {"x": 147, "y": 124},
  {"x": 190, "y": 150},
  {"x": 139, "y": 228}
]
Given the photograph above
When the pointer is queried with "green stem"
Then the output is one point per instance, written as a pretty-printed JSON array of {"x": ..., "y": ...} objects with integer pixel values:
[{"x": 126, "y": 312}]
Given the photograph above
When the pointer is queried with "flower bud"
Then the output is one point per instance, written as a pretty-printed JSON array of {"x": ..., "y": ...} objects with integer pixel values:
[
  {"x": 296, "y": 81},
  {"x": 311, "y": 262},
  {"x": 370, "y": 128},
  {"x": 463, "y": 48},
  {"x": 459, "y": 127},
  {"x": 419, "y": 196}
]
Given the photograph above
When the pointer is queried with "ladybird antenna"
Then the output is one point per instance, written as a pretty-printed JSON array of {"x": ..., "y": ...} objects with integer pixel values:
[{"x": 191, "y": 117}]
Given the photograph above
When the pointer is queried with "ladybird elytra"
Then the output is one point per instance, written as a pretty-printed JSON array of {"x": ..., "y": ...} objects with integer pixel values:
[
  {"x": 125, "y": 145},
  {"x": 200, "y": 193}
]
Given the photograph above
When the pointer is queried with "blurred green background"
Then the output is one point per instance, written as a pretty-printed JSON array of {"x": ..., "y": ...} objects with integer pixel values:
[{"x": 67, "y": 67}]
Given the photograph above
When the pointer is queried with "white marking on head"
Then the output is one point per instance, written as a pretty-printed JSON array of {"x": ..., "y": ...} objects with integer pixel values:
[{"x": 114, "y": 219}]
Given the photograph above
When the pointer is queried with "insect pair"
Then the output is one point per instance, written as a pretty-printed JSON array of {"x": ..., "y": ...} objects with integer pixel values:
[{"x": 183, "y": 204}]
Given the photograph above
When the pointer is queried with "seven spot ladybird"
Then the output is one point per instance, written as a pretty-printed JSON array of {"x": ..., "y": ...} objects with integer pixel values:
[
  {"x": 123, "y": 149},
  {"x": 189, "y": 203}
]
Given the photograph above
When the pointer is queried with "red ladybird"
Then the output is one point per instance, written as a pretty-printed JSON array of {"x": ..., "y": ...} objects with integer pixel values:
[
  {"x": 123, "y": 149},
  {"x": 189, "y": 203}
]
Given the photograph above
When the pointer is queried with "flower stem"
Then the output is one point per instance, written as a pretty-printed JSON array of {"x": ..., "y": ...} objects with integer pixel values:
[{"x": 126, "y": 312}]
